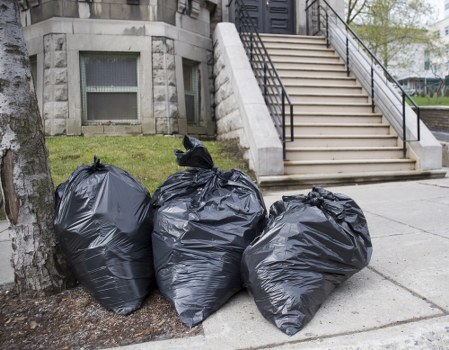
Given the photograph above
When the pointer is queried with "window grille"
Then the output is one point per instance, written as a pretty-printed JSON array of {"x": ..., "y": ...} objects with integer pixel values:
[{"x": 109, "y": 86}]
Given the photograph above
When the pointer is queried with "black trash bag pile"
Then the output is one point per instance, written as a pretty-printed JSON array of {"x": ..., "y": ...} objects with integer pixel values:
[
  {"x": 310, "y": 245},
  {"x": 103, "y": 224},
  {"x": 204, "y": 218}
]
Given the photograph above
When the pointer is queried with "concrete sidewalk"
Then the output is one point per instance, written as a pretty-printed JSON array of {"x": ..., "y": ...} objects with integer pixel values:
[{"x": 401, "y": 301}]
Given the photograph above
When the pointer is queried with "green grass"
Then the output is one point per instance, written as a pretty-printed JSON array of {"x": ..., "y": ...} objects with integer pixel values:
[
  {"x": 149, "y": 159},
  {"x": 434, "y": 101}
]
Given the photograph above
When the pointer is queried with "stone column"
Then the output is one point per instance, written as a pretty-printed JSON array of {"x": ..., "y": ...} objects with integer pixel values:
[
  {"x": 165, "y": 97},
  {"x": 56, "y": 102}
]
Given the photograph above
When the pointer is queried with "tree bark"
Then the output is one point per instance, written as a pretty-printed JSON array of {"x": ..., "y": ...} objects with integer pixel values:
[{"x": 25, "y": 173}]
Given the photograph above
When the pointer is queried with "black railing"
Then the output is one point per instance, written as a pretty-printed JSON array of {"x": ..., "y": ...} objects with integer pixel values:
[
  {"x": 274, "y": 92},
  {"x": 319, "y": 16}
]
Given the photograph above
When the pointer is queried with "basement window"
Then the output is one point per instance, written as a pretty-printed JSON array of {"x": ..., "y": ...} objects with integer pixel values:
[
  {"x": 192, "y": 88},
  {"x": 109, "y": 86}
]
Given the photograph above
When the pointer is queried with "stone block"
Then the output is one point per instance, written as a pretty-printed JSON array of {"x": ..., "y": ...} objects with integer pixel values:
[
  {"x": 49, "y": 77},
  {"x": 60, "y": 93},
  {"x": 170, "y": 62},
  {"x": 60, "y": 75},
  {"x": 122, "y": 129},
  {"x": 91, "y": 130},
  {"x": 173, "y": 111},
  {"x": 170, "y": 46},
  {"x": 60, "y": 59},
  {"x": 74, "y": 127},
  {"x": 167, "y": 126},
  {"x": 172, "y": 94},
  {"x": 48, "y": 60},
  {"x": 162, "y": 77},
  {"x": 60, "y": 110},
  {"x": 160, "y": 110},
  {"x": 48, "y": 110},
  {"x": 48, "y": 93},
  {"x": 59, "y": 127},
  {"x": 160, "y": 93},
  {"x": 47, "y": 126},
  {"x": 158, "y": 45},
  {"x": 158, "y": 60},
  {"x": 55, "y": 42}
]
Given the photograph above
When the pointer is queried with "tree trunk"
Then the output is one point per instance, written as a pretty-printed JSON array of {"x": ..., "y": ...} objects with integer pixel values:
[{"x": 25, "y": 173}]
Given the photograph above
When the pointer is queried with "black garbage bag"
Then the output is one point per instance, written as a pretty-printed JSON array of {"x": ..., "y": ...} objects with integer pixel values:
[
  {"x": 103, "y": 224},
  {"x": 311, "y": 245},
  {"x": 204, "y": 218}
]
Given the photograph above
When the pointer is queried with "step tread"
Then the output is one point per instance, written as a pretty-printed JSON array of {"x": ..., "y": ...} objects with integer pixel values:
[
  {"x": 343, "y": 149},
  {"x": 334, "y": 178},
  {"x": 348, "y": 161},
  {"x": 339, "y": 125},
  {"x": 336, "y": 114},
  {"x": 346, "y": 136}
]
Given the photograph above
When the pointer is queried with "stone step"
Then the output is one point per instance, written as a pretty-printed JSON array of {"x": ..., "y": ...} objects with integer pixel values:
[
  {"x": 347, "y": 166},
  {"x": 285, "y": 182},
  {"x": 331, "y": 107},
  {"x": 299, "y": 56},
  {"x": 324, "y": 89},
  {"x": 296, "y": 46},
  {"x": 344, "y": 141},
  {"x": 341, "y": 118},
  {"x": 298, "y": 79},
  {"x": 341, "y": 153},
  {"x": 314, "y": 51},
  {"x": 310, "y": 72},
  {"x": 302, "y": 129},
  {"x": 288, "y": 65},
  {"x": 326, "y": 98},
  {"x": 285, "y": 38}
]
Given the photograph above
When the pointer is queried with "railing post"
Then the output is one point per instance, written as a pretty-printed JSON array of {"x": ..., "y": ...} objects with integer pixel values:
[
  {"x": 327, "y": 29},
  {"x": 319, "y": 16},
  {"x": 418, "y": 117},
  {"x": 292, "y": 122},
  {"x": 283, "y": 125},
  {"x": 265, "y": 68},
  {"x": 307, "y": 18},
  {"x": 404, "y": 131},
  {"x": 372, "y": 89},
  {"x": 347, "y": 54},
  {"x": 251, "y": 48}
]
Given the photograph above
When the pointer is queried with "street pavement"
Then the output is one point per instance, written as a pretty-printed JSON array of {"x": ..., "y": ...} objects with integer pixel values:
[{"x": 401, "y": 301}]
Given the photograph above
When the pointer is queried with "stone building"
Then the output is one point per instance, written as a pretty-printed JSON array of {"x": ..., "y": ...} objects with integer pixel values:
[{"x": 122, "y": 67}]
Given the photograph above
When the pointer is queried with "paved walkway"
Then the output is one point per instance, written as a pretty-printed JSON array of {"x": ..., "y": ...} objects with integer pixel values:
[{"x": 401, "y": 301}]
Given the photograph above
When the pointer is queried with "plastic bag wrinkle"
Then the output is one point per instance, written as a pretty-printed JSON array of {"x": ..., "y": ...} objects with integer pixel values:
[
  {"x": 310, "y": 245},
  {"x": 203, "y": 220},
  {"x": 103, "y": 224}
]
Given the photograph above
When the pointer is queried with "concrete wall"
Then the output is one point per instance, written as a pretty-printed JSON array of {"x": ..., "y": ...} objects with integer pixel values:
[
  {"x": 435, "y": 118},
  {"x": 240, "y": 108}
]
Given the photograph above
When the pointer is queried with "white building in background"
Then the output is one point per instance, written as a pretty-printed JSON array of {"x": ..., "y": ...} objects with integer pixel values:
[{"x": 419, "y": 70}]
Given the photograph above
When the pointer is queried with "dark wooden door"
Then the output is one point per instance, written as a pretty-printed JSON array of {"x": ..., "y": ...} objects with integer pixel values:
[{"x": 272, "y": 16}]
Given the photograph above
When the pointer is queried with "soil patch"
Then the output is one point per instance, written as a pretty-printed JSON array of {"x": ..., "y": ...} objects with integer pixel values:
[{"x": 74, "y": 320}]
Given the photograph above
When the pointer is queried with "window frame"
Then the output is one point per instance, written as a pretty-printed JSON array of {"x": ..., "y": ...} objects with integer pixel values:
[
  {"x": 196, "y": 92},
  {"x": 84, "y": 89}
]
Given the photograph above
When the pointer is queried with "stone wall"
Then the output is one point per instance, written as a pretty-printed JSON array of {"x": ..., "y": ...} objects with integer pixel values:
[
  {"x": 240, "y": 109},
  {"x": 165, "y": 97},
  {"x": 55, "y": 99},
  {"x": 227, "y": 113}
]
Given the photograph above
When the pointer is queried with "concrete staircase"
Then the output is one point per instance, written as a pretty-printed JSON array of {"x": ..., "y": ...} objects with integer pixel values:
[{"x": 338, "y": 138}]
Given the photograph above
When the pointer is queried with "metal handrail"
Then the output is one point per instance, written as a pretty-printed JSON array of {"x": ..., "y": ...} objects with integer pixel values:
[
  {"x": 373, "y": 61},
  {"x": 273, "y": 90}
]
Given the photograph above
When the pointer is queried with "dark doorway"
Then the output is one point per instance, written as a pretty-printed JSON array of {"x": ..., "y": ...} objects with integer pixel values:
[{"x": 272, "y": 16}]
